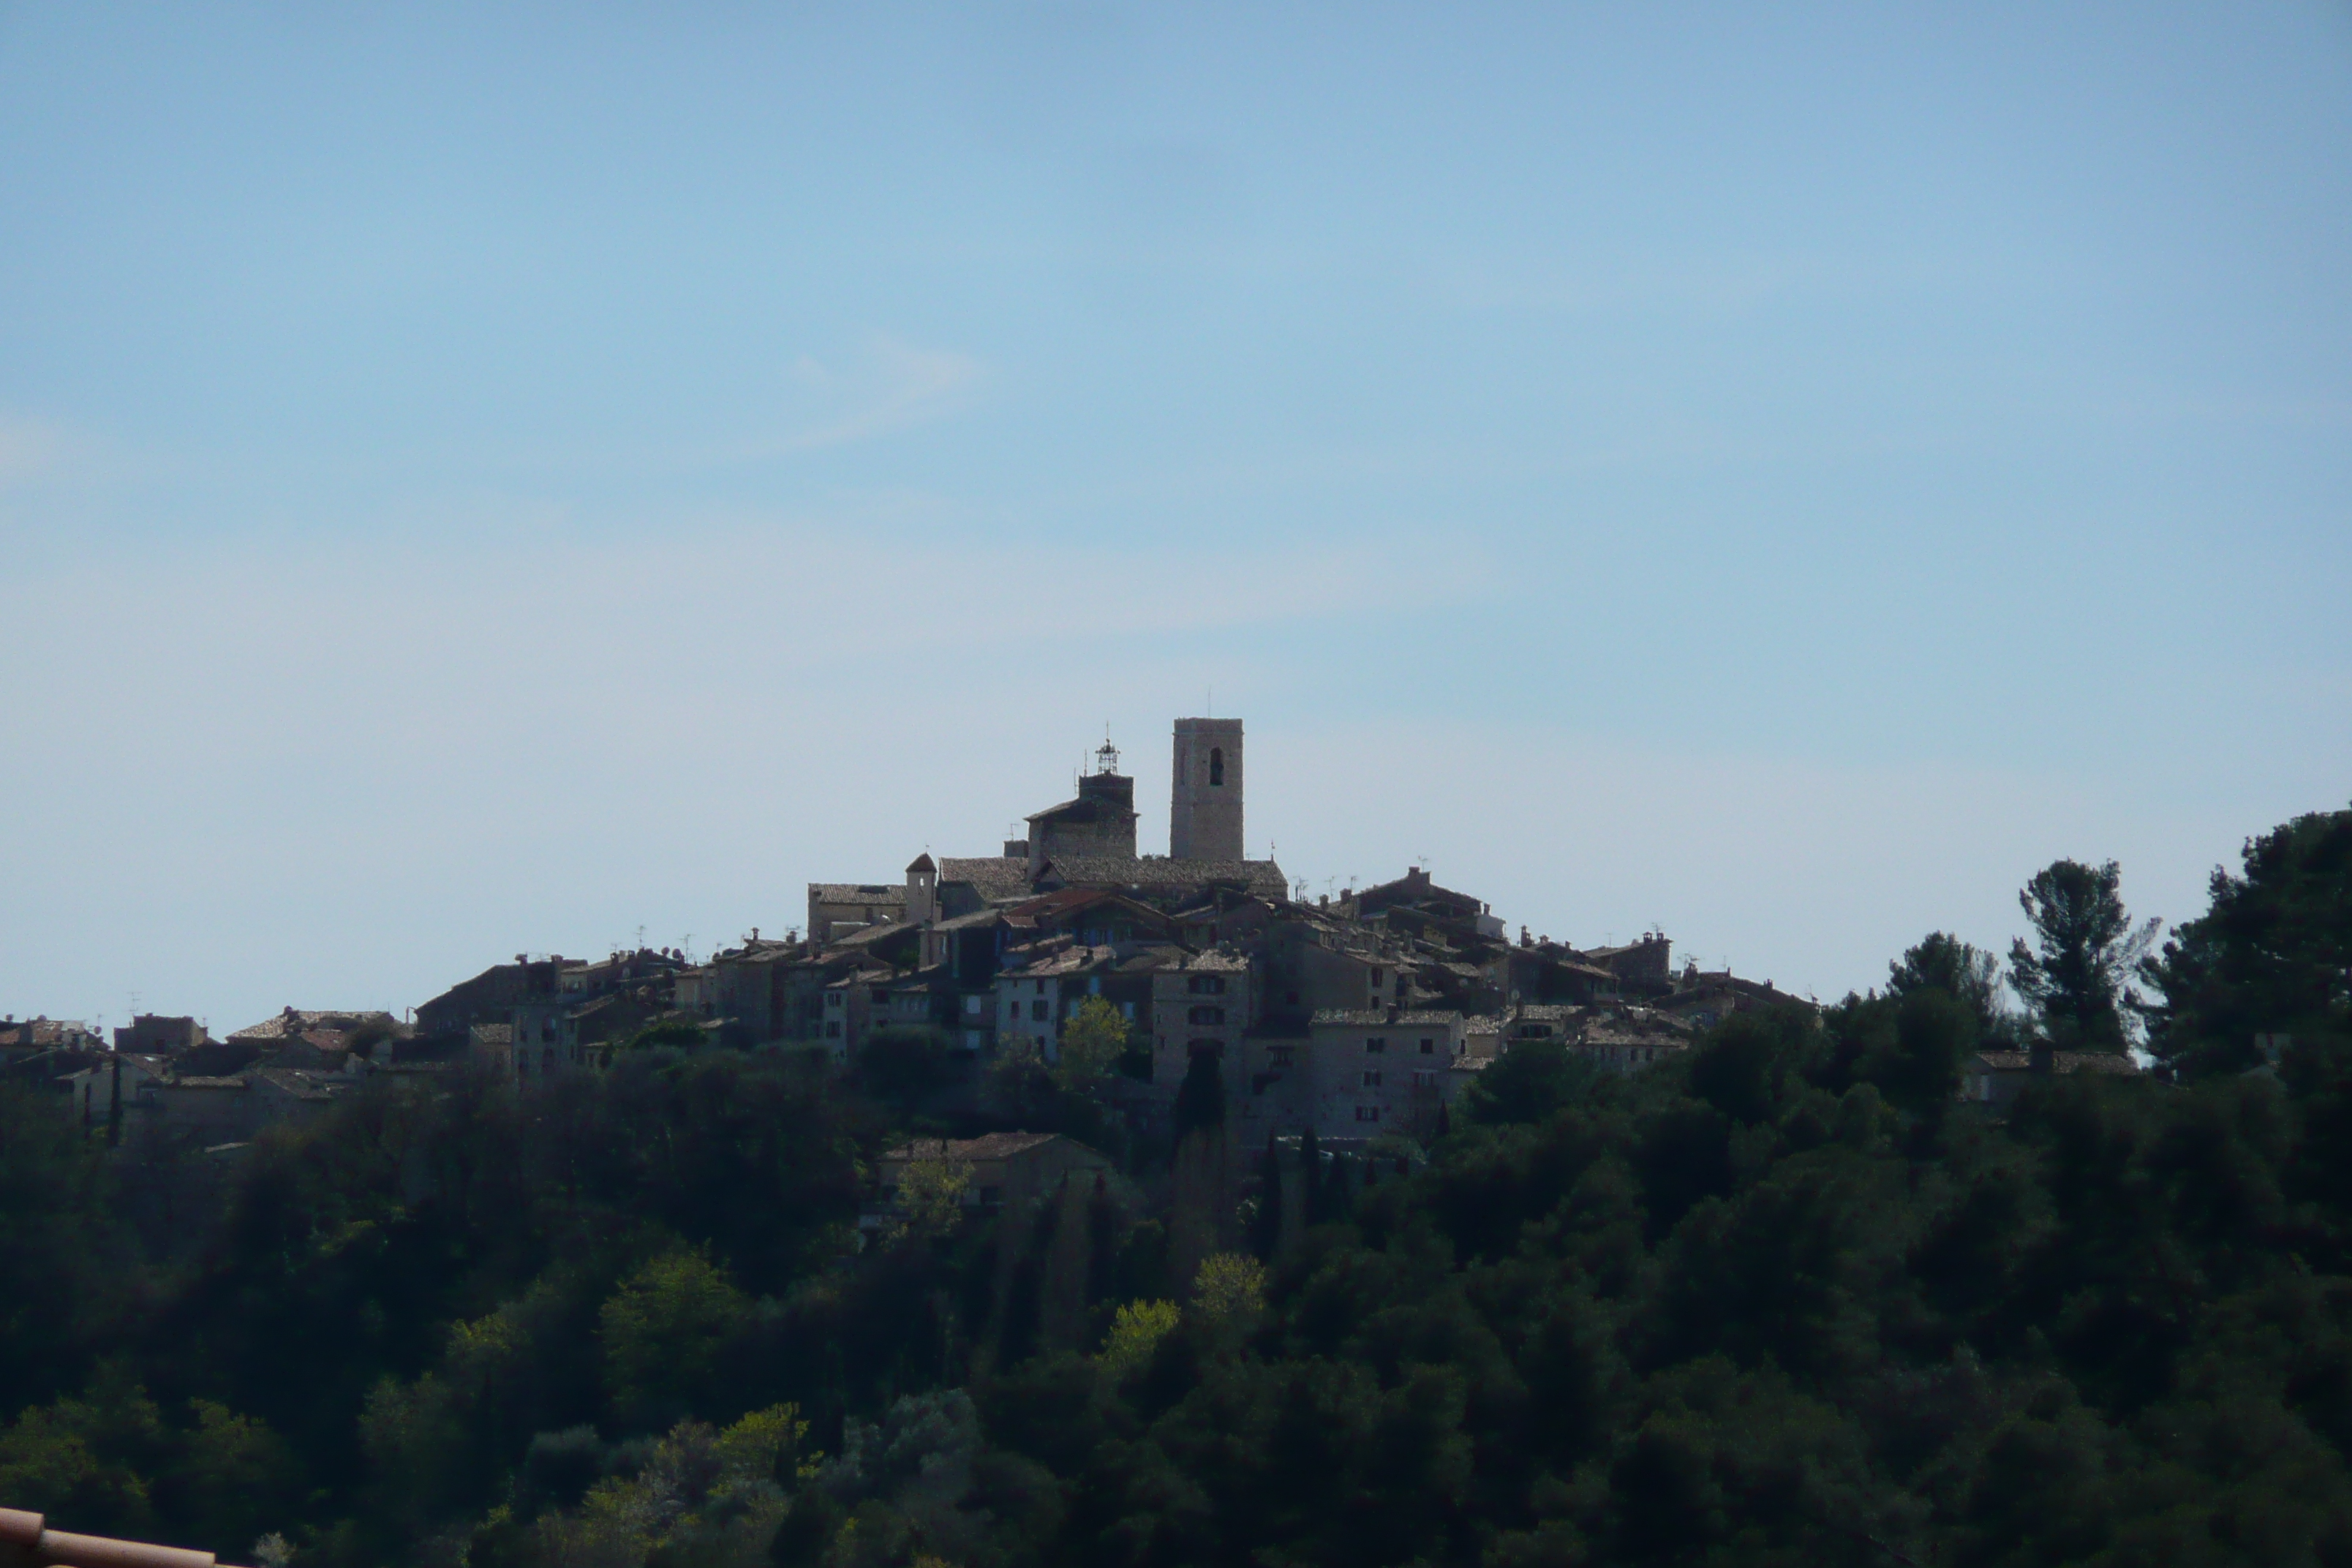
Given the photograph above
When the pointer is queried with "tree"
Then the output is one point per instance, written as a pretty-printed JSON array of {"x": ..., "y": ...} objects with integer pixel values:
[
  {"x": 2272, "y": 955},
  {"x": 1531, "y": 1080},
  {"x": 932, "y": 1193},
  {"x": 1200, "y": 1098},
  {"x": 1266, "y": 1222},
  {"x": 1942, "y": 961},
  {"x": 665, "y": 1331},
  {"x": 1229, "y": 1287},
  {"x": 1092, "y": 1043},
  {"x": 1135, "y": 1332},
  {"x": 670, "y": 1034},
  {"x": 2078, "y": 987},
  {"x": 903, "y": 1065}
]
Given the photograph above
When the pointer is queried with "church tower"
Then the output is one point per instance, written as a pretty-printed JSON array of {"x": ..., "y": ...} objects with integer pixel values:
[{"x": 1204, "y": 808}]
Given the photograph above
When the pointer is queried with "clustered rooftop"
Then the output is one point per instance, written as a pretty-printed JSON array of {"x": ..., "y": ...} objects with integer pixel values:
[{"x": 1353, "y": 1016}]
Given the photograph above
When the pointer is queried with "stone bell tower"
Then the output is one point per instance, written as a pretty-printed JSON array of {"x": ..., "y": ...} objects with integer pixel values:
[{"x": 1204, "y": 808}]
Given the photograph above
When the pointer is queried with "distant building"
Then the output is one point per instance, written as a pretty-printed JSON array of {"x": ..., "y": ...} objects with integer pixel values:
[
  {"x": 1204, "y": 807},
  {"x": 837, "y": 909},
  {"x": 1008, "y": 1170},
  {"x": 1098, "y": 823},
  {"x": 1201, "y": 1004},
  {"x": 150, "y": 1033},
  {"x": 1994, "y": 1079},
  {"x": 1379, "y": 1071}
]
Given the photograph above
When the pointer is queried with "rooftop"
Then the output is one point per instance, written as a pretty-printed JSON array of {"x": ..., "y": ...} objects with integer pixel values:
[
  {"x": 2060, "y": 1062},
  {"x": 988, "y": 1146}
]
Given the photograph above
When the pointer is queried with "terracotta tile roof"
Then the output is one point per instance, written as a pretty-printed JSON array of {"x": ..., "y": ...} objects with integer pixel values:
[{"x": 1357, "y": 1018}]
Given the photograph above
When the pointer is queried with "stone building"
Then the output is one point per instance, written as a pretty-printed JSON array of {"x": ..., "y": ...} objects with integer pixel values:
[
  {"x": 1201, "y": 1003},
  {"x": 490, "y": 997},
  {"x": 837, "y": 909},
  {"x": 148, "y": 1034},
  {"x": 1098, "y": 823},
  {"x": 1370, "y": 1072},
  {"x": 1204, "y": 805},
  {"x": 1008, "y": 1170}
]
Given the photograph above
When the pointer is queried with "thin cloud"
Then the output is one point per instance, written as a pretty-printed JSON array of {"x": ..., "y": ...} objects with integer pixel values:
[{"x": 906, "y": 386}]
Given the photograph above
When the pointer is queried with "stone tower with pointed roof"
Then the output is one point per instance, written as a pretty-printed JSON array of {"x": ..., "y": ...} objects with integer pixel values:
[{"x": 1204, "y": 807}]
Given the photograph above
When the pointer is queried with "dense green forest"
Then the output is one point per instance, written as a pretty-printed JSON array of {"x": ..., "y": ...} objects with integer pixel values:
[{"x": 1786, "y": 1299}]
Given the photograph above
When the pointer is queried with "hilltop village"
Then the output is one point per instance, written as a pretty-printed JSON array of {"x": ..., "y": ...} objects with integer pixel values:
[{"x": 1352, "y": 1016}]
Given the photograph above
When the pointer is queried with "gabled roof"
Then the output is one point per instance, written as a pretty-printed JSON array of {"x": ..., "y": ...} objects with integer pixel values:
[{"x": 995, "y": 878}]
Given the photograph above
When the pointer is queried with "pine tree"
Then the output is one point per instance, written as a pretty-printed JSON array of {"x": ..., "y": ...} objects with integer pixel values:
[{"x": 2078, "y": 984}]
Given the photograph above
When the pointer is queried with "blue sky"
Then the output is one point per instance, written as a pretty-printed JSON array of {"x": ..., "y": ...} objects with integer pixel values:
[{"x": 480, "y": 480}]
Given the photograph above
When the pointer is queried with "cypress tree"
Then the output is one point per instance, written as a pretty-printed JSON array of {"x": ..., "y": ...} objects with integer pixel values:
[{"x": 1266, "y": 1232}]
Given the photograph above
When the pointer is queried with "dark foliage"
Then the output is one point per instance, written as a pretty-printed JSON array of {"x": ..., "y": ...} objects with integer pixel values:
[{"x": 1785, "y": 1301}]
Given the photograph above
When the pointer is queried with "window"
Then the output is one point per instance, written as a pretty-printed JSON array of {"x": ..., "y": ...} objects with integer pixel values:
[
  {"x": 972, "y": 1009},
  {"x": 1371, "y": 1078},
  {"x": 1368, "y": 1114},
  {"x": 1205, "y": 984},
  {"x": 1127, "y": 1011},
  {"x": 1429, "y": 1047},
  {"x": 1376, "y": 980},
  {"x": 1206, "y": 1015},
  {"x": 834, "y": 1000},
  {"x": 1375, "y": 1046},
  {"x": 832, "y": 1029},
  {"x": 1424, "y": 1079},
  {"x": 1040, "y": 1010},
  {"x": 1216, "y": 767},
  {"x": 1282, "y": 1056}
]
